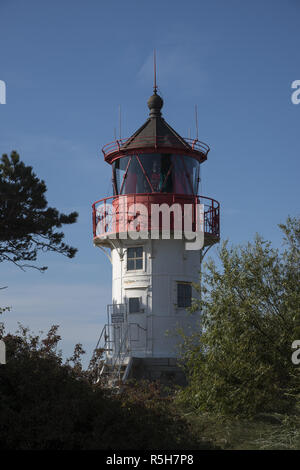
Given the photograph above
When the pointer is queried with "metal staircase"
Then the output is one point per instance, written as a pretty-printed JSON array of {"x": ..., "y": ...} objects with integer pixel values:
[
  {"x": 111, "y": 360},
  {"x": 108, "y": 365}
]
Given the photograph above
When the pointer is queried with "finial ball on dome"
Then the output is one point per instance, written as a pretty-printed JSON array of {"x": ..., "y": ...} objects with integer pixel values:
[{"x": 155, "y": 103}]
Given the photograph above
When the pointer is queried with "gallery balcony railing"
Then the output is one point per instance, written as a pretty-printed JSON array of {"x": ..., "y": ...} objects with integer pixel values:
[
  {"x": 112, "y": 213},
  {"x": 185, "y": 145}
]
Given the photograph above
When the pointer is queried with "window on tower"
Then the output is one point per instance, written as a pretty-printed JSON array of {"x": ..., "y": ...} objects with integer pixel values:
[
  {"x": 156, "y": 173},
  {"x": 134, "y": 305},
  {"x": 134, "y": 258},
  {"x": 184, "y": 294}
]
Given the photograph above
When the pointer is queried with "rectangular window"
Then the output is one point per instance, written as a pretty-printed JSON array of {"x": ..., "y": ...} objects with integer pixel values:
[
  {"x": 135, "y": 258},
  {"x": 134, "y": 305},
  {"x": 184, "y": 295}
]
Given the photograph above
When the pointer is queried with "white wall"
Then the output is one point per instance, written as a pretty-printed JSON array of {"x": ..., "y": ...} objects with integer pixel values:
[{"x": 165, "y": 263}]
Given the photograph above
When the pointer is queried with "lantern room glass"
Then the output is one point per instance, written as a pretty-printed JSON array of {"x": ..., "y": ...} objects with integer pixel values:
[{"x": 157, "y": 173}]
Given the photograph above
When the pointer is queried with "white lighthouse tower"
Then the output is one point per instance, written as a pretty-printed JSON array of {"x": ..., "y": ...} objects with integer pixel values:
[{"x": 152, "y": 270}]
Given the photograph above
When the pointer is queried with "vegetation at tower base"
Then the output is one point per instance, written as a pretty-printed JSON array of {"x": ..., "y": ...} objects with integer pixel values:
[
  {"x": 241, "y": 364},
  {"x": 243, "y": 388},
  {"x": 46, "y": 403},
  {"x": 27, "y": 225}
]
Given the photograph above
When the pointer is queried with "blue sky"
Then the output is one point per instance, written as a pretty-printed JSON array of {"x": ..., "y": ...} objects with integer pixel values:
[{"x": 68, "y": 65}]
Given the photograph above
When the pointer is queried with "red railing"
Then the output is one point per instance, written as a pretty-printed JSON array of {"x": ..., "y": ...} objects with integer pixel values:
[
  {"x": 125, "y": 145},
  {"x": 110, "y": 213}
]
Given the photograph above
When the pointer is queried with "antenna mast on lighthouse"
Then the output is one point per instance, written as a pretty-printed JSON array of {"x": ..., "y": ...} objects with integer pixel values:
[{"x": 154, "y": 66}]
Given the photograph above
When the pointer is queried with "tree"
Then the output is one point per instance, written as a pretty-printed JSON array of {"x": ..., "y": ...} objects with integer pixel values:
[
  {"x": 48, "y": 404},
  {"x": 241, "y": 363},
  {"x": 27, "y": 225}
]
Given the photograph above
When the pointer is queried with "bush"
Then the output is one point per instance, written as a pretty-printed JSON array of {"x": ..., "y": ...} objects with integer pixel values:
[
  {"x": 241, "y": 363},
  {"x": 48, "y": 404}
]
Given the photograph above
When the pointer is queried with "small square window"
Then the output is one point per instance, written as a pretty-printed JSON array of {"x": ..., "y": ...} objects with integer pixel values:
[
  {"x": 134, "y": 305},
  {"x": 184, "y": 295},
  {"x": 134, "y": 258}
]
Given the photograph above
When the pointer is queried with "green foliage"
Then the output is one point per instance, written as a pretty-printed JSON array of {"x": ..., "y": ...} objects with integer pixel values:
[
  {"x": 4, "y": 309},
  {"x": 27, "y": 225},
  {"x": 241, "y": 363},
  {"x": 267, "y": 431},
  {"x": 49, "y": 404}
]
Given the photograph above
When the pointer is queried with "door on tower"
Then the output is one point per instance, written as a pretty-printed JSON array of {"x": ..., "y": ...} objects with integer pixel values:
[{"x": 137, "y": 320}]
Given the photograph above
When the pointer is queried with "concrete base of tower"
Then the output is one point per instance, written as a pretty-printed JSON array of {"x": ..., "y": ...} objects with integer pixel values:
[{"x": 165, "y": 370}]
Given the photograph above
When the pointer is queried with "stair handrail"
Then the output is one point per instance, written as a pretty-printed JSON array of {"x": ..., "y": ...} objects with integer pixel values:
[
  {"x": 116, "y": 368},
  {"x": 106, "y": 341}
]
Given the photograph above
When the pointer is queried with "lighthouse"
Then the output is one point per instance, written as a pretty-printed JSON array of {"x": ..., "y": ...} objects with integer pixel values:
[{"x": 154, "y": 229}]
